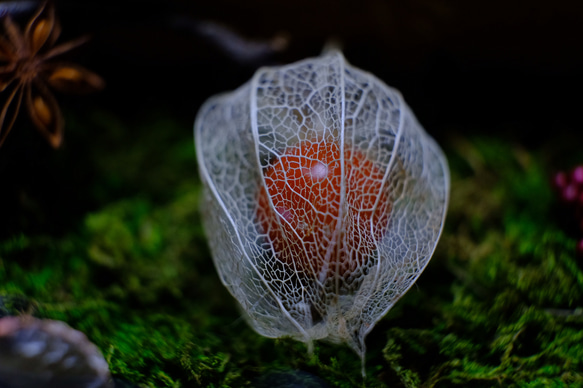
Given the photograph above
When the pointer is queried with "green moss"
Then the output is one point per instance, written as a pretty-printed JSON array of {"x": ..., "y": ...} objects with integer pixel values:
[
  {"x": 512, "y": 319},
  {"x": 499, "y": 304}
]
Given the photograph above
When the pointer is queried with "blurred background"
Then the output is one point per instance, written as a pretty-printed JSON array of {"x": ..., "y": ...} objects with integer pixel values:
[
  {"x": 511, "y": 68},
  {"x": 462, "y": 64},
  {"x": 500, "y": 68}
]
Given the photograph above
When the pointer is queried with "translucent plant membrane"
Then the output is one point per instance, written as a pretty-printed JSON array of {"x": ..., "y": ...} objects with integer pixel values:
[{"x": 324, "y": 198}]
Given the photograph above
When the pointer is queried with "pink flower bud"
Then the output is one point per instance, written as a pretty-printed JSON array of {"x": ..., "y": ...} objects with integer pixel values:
[
  {"x": 570, "y": 193},
  {"x": 579, "y": 249},
  {"x": 560, "y": 180},
  {"x": 577, "y": 176}
]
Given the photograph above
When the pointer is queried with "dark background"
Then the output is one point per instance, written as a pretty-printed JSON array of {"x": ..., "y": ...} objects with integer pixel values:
[
  {"x": 458, "y": 63},
  {"x": 496, "y": 68}
]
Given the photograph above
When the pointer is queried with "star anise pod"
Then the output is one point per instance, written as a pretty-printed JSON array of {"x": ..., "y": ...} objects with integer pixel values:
[{"x": 27, "y": 70}]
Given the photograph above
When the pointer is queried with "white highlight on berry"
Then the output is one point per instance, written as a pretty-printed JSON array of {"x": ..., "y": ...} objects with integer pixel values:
[{"x": 319, "y": 171}]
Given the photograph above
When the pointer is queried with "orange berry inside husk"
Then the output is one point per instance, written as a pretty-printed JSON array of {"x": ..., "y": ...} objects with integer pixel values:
[{"x": 311, "y": 224}]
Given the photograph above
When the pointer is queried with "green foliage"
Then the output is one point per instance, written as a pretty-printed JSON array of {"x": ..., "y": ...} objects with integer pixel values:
[
  {"x": 513, "y": 317},
  {"x": 500, "y": 304}
]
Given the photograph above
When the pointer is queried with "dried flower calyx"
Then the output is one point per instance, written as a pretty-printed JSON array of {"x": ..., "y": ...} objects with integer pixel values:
[
  {"x": 27, "y": 71},
  {"x": 324, "y": 198}
]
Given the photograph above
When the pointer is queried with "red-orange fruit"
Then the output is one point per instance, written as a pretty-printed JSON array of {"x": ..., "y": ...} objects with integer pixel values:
[{"x": 314, "y": 227}]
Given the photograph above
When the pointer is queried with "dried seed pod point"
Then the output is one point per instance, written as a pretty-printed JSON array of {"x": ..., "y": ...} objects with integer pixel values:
[
  {"x": 324, "y": 198},
  {"x": 43, "y": 353},
  {"x": 27, "y": 68}
]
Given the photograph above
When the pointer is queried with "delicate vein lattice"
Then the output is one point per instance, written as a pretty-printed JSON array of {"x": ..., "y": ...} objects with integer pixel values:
[{"x": 324, "y": 198}]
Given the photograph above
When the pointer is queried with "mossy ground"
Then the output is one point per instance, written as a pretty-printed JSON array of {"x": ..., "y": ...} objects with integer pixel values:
[{"x": 123, "y": 258}]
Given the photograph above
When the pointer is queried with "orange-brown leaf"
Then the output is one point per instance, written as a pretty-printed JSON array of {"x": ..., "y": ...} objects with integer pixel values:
[
  {"x": 40, "y": 35},
  {"x": 40, "y": 28},
  {"x": 9, "y": 112},
  {"x": 14, "y": 35},
  {"x": 64, "y": 47},
  {"x": 4, "y": 83},
  {"x": 42, "y": 110},
  {"x": 45, "y": 113},
  {"x": 74, "y": 79}
]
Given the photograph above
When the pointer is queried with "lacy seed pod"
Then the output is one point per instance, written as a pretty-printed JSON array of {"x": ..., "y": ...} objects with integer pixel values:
[{"x": 324, "y": 198}]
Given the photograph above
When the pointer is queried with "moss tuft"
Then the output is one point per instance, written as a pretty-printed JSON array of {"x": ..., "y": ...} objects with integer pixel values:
[{"x": 500, "y": 304}]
